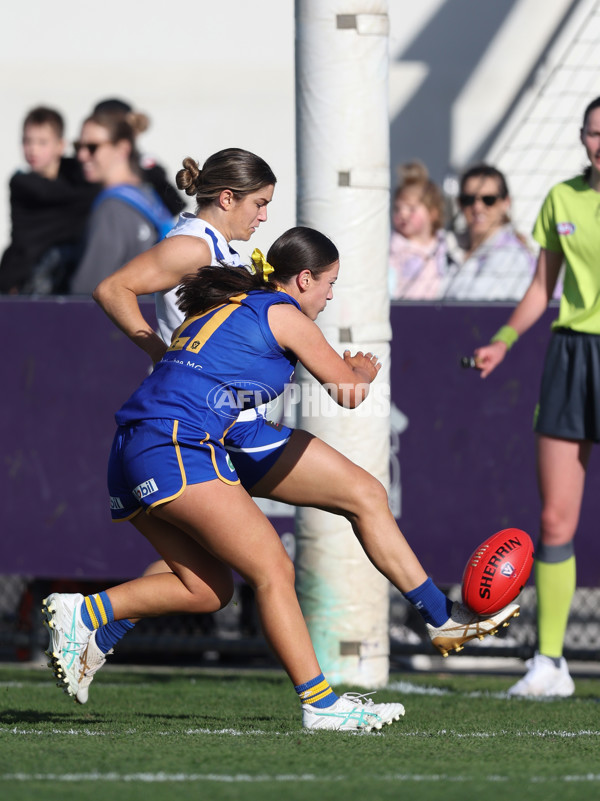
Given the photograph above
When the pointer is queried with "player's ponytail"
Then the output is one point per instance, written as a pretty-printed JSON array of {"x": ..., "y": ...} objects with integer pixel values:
[
  {"x": 213, "y": 286},
  {"x": 297, "y": 249}
]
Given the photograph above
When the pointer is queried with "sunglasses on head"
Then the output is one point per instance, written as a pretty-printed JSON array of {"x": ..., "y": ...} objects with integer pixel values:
[
  {"x": 469, "y": 200},
  {"x": 91, "y": 147}
]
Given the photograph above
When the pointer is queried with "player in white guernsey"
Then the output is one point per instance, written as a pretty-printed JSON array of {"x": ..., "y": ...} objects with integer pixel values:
[{"x": 168, "y": 314}]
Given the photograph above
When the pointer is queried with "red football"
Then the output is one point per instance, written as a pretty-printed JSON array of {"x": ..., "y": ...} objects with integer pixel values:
[{"x": 497, "y": 571}]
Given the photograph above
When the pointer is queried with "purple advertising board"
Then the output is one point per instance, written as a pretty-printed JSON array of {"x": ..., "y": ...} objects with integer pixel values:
[{"x": 463, "y": 449}]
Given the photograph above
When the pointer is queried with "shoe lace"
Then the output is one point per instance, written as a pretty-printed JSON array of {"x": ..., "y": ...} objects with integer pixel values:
[{"x": 361, "y": 699}]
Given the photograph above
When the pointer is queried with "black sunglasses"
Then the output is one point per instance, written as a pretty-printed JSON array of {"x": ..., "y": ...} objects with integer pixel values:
[
  {"x": 469, "y": 200},
  {"x": 91, "y": 147}
]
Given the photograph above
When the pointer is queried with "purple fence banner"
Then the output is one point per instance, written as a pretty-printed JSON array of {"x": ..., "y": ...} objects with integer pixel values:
[{"x": 462, "y": 467}]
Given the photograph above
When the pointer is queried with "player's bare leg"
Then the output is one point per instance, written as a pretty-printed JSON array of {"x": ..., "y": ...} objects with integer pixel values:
[
  {"x": 227, "y": 522},
  {"x": 311, "y": 473}
]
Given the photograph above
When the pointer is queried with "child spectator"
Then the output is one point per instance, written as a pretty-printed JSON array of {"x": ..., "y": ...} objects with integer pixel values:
[
  {"x": 422, "y": 256},
  {"x": 49, "y": 207}
]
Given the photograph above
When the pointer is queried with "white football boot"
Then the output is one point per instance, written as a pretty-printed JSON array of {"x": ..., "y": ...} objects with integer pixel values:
[
  {"x": 350, "y": 713},
  {"x": 69, "y": 638},
  {"x": 544, "y": 679}
]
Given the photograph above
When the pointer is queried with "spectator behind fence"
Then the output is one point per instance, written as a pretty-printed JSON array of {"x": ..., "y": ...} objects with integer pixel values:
[
  {"x": 49, "y": 206},
  {"x": 128, "y": 217},
  {"x": 422, "y": 255},
  {"x": 152, "y": 173},
  {"x": 498, "y": 264}
]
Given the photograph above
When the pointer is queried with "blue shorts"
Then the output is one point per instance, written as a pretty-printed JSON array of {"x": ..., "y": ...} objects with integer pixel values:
[
  {"x": 153, "y": 461},
  {"x": 254, "y": 447}
]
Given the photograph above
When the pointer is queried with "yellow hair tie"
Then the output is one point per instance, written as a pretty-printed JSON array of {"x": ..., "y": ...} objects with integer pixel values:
[{"x": 259, "y": 263}]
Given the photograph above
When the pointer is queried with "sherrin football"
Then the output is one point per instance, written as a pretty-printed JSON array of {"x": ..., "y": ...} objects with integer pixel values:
[{"x": 497, "y": 571}]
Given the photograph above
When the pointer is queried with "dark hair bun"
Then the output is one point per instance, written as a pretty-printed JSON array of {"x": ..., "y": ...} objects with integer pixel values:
[{"x": 187, "y": 178}]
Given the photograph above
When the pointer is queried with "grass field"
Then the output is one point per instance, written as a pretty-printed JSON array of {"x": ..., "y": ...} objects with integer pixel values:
[{"x": 189, "y": 734}]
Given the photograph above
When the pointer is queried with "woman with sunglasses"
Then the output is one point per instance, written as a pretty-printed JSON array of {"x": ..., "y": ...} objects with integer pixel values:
[
  {"x": 128, "y": 217},
  {"x": 152, "y": 173},
  {"x": 567, "y": 419},
  {"x": 497, "y": 264}
]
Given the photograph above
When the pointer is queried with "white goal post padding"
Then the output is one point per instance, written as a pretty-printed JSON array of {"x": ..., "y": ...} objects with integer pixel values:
[{"x": 342, "y": 146}]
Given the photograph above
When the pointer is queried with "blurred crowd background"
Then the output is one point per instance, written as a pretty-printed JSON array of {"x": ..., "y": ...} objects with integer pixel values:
[{"x": 465, "y": 85}]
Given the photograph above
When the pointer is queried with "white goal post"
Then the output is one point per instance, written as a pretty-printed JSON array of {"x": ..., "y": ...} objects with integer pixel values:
[{"x": 342, "y": 146}]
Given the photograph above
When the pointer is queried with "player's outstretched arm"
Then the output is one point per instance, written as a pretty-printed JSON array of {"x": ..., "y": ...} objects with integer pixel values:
[
  {"x": 346, "y": 378},
  {"x": 530, "y": 309},
  {"x": 159, "y": 269}
]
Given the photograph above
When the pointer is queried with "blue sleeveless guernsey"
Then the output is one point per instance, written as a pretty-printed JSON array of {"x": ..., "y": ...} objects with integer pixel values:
[
  {"x": 171, "y": 430},
  {"x": 218, "y": 364}
]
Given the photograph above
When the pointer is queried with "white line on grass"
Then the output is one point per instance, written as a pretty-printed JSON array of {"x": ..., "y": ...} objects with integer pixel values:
[
  {"x": 542, "y": 733},
  {"x": 19, "y": 685},
  {"x": 37, "y": 732},
  {"x": 302, "y": 777}
]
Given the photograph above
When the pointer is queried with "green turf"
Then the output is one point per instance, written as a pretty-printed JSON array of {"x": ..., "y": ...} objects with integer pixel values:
[{"x": 177, "y": 733}]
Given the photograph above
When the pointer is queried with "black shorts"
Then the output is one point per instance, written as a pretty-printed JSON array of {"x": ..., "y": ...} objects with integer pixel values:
[{"x": 569, "y": 406}]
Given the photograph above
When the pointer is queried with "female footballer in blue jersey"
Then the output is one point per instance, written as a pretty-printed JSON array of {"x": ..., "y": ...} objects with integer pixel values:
[{"x": 169, "y": 474}]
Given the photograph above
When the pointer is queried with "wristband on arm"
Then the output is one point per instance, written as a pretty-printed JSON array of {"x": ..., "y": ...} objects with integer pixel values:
[{"x": 506, "y": 334}]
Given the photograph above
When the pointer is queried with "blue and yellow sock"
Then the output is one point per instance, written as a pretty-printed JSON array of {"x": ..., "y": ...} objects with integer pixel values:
[
  {"x": 96, "y": 611},
  {"x": 316, "y": 692},
  {"x": 108, "y": 636},
  {"x": 434, "y": 606}
]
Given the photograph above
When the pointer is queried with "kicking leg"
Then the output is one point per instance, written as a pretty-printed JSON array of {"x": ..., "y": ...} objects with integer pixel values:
[{"x": 311, "y": 473}]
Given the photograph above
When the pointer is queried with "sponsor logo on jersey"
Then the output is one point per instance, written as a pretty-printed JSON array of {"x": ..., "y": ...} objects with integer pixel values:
[
  {"x": 115, "y": 503},
  {"x": 507, "y": 569},
  {"x": 145, "y": 488},
  {"x": 565, "y": 228}
]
